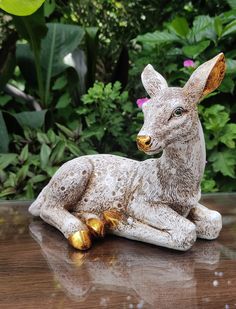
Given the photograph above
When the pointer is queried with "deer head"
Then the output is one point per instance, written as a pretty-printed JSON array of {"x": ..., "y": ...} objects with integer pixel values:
[{"x": 171, "y": 113}]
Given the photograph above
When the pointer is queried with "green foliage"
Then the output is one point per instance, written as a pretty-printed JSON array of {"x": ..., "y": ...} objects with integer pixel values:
[
  {"x": 108, "y": 119},
  {"x": 220, "y": 136},
  {"x": 37, "y": 155},
  {"x": 32, "y": 119},
  {"x": 33, "y": 29},
  {"x": 59, "y": 42},
  {"x": 20, "y": 7}
]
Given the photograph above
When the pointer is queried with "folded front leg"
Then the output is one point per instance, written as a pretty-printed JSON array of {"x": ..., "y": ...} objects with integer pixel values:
[
  {"x": 158, "y": 225},
  {"x": 208, "y": 222}
]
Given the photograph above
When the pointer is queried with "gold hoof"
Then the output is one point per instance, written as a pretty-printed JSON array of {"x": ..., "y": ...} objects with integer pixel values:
[
  {"x": 80, "y": 240},
  {"x": 96, "y": 227},
  {"x": 112, "y": 217}
]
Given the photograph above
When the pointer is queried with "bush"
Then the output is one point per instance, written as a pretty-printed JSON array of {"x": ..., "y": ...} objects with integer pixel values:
[{"x": 106, "y": 123}]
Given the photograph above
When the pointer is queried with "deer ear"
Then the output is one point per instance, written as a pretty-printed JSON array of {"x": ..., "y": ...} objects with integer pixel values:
[
  {"x": 206, "y": 78},
  {"x": 153, "y": 82}
]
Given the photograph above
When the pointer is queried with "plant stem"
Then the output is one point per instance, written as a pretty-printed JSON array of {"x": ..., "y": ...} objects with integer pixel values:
[
  {"x": 49, "y": 69},
  {"x": 36, "y": 52},
  {"x": 38, "y": 72}
]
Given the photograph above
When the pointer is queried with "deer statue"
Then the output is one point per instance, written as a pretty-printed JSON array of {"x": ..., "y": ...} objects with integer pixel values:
[{"x": 154, "y": 201}]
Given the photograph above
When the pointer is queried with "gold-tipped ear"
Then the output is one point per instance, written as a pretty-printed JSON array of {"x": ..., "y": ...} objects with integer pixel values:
[
  {"x": 205, "y": 79},
  {"x": 216, "y": 75}
]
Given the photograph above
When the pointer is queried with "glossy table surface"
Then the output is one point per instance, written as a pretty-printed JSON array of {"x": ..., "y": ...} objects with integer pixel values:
[{"x": 38, "y": 268}]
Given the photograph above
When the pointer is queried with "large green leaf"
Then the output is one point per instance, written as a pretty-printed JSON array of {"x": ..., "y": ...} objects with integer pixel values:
[
  {"x": 4, "y": 138},
  {"x": 203, "y": 28},
  {"x": 157, "y": 38},
  {"x": 229, "y": 135},
  {"x": 44, "y": 155},
  {"x": 60, "y": 40},
  {"x": 7, "y": 159},
  {"x": 218, "y": 26},
  {"x": 227, "y": 84},
  {"x": 230, "y": 66},
  {"x": 192, "y": 51},
  {"x": 20, "y": 7},
  {"x": 229, "y": 29},
  {"x": 58, "y": 152},
  {"x": 63, "y": 101},
  {"x": 224, "y": 162},
  {"x": 56, "y": 53},
  {"x": 215, "y": 118},
  {"x": 228, "y": 16},
  {"x": 180, "y": 26},
  {"x": 49, "y": 7},
  {"x": 32, "y": 120}
]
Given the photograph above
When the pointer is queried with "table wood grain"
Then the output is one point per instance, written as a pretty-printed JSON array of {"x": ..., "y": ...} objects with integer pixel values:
[{"x": 38, "y": 269}]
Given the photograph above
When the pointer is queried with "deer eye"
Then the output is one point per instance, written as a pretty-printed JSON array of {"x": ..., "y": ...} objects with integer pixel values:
[{"x": 178, "y": 112}]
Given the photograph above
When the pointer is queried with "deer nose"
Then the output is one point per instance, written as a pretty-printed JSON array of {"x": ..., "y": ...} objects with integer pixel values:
[{"x": 143, "y": 141}]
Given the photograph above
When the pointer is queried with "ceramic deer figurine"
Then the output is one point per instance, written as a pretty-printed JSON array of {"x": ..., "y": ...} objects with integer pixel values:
[{"x": 154, "y": 201}]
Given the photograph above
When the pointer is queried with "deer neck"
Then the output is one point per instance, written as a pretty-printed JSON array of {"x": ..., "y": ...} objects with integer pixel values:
[{"x": 189, "y": 157}]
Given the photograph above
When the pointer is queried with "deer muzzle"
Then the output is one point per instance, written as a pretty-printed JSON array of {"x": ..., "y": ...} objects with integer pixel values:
[{"x": 143, "y": 142}]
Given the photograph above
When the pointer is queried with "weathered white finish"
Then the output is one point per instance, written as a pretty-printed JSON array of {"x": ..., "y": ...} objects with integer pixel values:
[{"x": 158, "y": 198}]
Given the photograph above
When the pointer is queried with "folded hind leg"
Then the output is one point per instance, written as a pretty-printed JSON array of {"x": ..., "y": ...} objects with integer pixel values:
[
  {"x": 165, "y": 235},
  {"x": 180, "y": 232}
]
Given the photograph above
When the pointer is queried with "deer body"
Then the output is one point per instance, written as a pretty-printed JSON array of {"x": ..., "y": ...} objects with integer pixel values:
[{"x": 154, "y": 201}]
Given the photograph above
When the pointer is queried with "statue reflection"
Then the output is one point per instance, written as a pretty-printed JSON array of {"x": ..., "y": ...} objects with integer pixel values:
[{"x": 148, "y": 277}]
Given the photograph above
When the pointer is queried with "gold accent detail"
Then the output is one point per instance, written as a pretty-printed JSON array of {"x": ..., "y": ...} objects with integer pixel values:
[
  {"x": 112, "y": 217},
  {"x": 216, "y": 76},
  {"x": 96, "y": 227},
  {"x": 80, "y": 240},
  {"x": 143, "y": 142}
]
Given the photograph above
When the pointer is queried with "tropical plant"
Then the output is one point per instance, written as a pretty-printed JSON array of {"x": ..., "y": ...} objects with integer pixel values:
[
  {"x": 20, "y": 8},
  {"x": 52, "y": 58}
]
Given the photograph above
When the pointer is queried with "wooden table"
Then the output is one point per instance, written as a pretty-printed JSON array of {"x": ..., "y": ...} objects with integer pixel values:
[{"x": 38, "y": 269}]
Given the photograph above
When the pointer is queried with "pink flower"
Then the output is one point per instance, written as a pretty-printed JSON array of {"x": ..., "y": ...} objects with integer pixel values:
[
  {"x": 188, "y": 63},
  {"x": 141, "y": 101}
]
